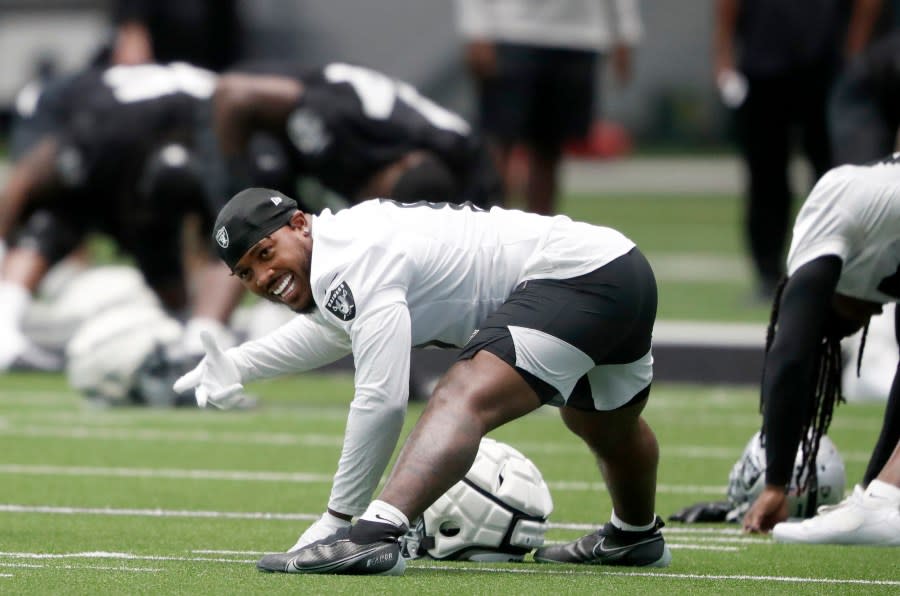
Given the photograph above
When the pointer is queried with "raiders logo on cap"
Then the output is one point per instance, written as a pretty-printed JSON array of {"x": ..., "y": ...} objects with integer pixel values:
[
  {"x": 340, "y": 302},
  {"x": 222, "y": 237}
]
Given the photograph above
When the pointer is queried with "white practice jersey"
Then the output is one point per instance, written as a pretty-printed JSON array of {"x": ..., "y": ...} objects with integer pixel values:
[
  {"x": 387, "y": 277},
  {"x": 853, "y": 212}
]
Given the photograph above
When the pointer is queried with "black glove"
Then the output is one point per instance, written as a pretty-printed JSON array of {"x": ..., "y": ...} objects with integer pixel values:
[{"x": 708, "y": 511}]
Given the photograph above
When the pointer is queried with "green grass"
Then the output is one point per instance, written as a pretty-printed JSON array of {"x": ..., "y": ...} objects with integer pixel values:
[
  {"x": 142, "y": 501},
  {"x": 705, "y": 224},
  {"x": 695, "y": 245}
]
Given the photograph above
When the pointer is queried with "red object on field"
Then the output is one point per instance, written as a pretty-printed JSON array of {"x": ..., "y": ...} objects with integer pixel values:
[{"x": 604, "y": 140}]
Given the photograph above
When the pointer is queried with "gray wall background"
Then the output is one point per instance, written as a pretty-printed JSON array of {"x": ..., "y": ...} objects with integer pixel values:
[{"x": 670, "y": 99}]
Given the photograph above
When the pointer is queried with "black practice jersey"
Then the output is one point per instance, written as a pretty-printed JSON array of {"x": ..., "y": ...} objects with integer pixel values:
[
  {"x": 352, "y": 121},
  {"x": 112, "y": 119},
  {"x": 37, "y": 112}
]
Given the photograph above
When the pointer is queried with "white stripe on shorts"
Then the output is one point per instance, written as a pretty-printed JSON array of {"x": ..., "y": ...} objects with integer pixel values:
[
  {"x": 560, "y": 364},
  {"x": 549, "y": 358},
  {"x": 612, "y": 385}
]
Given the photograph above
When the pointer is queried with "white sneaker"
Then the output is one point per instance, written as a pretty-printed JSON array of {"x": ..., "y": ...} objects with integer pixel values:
[
  {"x": 861, "y": 518},
  {"x": 853, "y": 497}
]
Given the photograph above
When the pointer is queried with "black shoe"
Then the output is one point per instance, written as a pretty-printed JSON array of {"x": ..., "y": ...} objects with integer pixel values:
[
  {"x": 339, "y": 555},
  {"x": 611, "y": 546}
]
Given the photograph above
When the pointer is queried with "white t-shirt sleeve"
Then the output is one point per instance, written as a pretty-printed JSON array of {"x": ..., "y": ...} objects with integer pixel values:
[
  {"x": 381, "y": 339},
  {"x": 305, "y": 343},
  {"x": 824, "y": 226}
]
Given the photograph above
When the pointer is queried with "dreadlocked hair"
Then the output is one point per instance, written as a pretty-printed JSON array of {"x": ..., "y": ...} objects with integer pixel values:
[
  {"x": 862, "y": 346},
  {"x": 825, "y": 393}
]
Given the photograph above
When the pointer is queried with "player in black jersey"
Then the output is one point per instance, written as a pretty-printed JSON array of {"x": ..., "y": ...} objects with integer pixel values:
[
  {"x": 356, "y": 131},
  {"x": 111, "y": 151}
]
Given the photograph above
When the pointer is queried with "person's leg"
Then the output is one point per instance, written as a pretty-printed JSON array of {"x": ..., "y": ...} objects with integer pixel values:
[
  {"x": 627, "y": 454},
  {"x": 891, "y": 471},
  {"x": 811, "y": 91},
  {"x": 504, "y": 101},
  {"x": 563, "y": 110},
  {"x": 764, "y": 130},
  {"x": 474, "y": 397},
  {"x": 25, "y": 267},
  {"x": 22, "y": 271},
  {"x": 890, "y": 433},
  {"x": 540, "y": 190},
  {"x": 45, "y": 238}
]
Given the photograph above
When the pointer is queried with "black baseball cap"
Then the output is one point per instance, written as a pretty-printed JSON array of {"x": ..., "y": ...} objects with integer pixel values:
[{"x": 247, "y": 218}]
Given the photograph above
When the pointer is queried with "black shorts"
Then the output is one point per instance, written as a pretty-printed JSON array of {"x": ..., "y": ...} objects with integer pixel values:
[
  {"x": 582, "y": 342},
  {"x": 543, "y": 96}
]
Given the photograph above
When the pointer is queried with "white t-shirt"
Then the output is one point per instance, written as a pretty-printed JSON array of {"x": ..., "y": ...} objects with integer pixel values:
[
  {"x": 580, "y": 24},
  {"x": 853, "y": 212},
  {"x": 387, "y": 277}
]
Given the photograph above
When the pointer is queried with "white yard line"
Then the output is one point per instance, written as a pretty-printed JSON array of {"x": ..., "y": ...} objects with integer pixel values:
[
  {"x": 709, "y": 533},
  {"x": 698, "y": 266},
  {"x": 194, "y": 436},
  {"x": 291, "y": 477},
  {"x": 162, "y": 513},
  {"x": 699, "y": 537},
  {"x": 88, "y": 433},
  {"x": 664, "y": 575},
  {"x": 595, "y": 572},
  {"x": 112, "y": 555},
  {"x": 236, "y": 475},
  {"x": 70, "y": 567}
]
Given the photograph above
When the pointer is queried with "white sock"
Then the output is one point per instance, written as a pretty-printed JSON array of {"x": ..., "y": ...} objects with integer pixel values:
[
  {"x": 381, "y": 512},
  {"x": 618, "y": 523},
  {"x": 882, "y": 490}
]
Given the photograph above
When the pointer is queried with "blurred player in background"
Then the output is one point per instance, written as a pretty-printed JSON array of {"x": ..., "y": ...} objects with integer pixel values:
[
  {"x": 111, "y": 151},
  {"x": 546, "y": 310},
  {"x": 205, "y": 33},
  {"x": 843, "y": 265},
  {"x": 536, "y": 70},
  {"x": 357, "y": 132},
  {"x": 864, "y": 111},
  {"x": 775, "y": 63}
]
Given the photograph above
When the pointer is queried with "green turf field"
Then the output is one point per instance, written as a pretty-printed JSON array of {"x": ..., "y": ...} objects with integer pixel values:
[
  {"x": 138, "y": 501},
  {"x": 694, "y": 244}
]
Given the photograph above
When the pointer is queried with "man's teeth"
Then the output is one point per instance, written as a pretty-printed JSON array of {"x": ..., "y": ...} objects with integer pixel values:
[{"x": 285, "y": 282}]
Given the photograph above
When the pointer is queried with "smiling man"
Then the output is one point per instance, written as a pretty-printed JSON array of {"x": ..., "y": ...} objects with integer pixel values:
[{"x": 546, "y": 311}]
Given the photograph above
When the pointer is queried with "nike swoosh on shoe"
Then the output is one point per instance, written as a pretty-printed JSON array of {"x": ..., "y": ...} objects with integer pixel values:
[{"x": 600, "y": 548}]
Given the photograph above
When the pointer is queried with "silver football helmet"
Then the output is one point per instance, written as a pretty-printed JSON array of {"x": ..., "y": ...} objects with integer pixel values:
[
  {"x": 498, "y": 512},
  {"x": 105, "y": 356},
  {"x": 748, "y": 478}
]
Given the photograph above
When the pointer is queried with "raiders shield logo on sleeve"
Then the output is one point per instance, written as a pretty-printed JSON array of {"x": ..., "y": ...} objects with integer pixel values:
[{"x": 340, "y": 302}]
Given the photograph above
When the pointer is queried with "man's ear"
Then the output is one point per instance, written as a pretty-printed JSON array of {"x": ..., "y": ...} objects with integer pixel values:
[{"x": 298, "y": 220}]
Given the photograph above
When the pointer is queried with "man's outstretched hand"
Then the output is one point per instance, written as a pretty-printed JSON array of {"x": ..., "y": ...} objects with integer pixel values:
[{"x": 216, "y": 380}]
